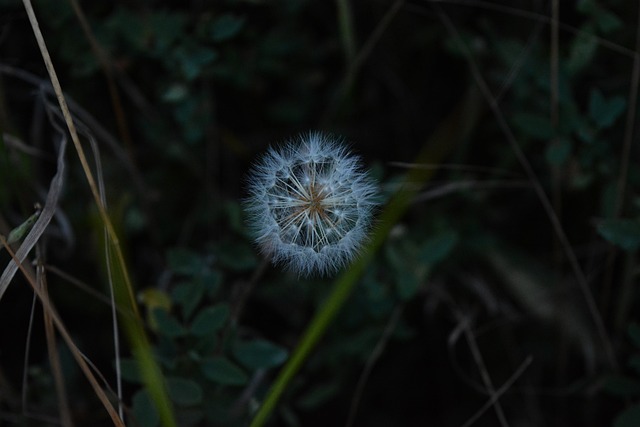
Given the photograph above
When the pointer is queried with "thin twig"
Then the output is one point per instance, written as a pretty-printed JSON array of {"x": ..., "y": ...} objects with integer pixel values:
[
  {"x": 534, "y": 16},
  {"x": 542, "y": 196},
  {"x": 107, "y": 68},
  {"x": 62, "y": 330},
  {"x": 372, "y": 360},
  {"x": 84, "y": 287},
  {"x": 484, "y": 373},
  {"x": 499, "y": 392},
  {"x": 360, "y": 58},
  {"x": 627, "y": 285},
  {"x": 152, "y": 375},
  {"x": 456, "y": 167},
  {"x": 52, "y": 345}
]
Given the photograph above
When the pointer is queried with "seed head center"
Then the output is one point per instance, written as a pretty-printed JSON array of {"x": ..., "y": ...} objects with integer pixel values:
[{"x": 315, "y": 202}]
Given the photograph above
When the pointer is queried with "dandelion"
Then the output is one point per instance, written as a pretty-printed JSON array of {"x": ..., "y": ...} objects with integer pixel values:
[{"x": 310, "y": 204}]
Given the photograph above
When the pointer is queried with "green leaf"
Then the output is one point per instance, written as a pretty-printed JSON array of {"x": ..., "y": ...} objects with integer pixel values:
[
  {"x": 407, "y": 285},
  {"x": 226, "y": 27},
  {"x": 130, "y": 370},
  {"x": 211, "y": 281},
  {"x": 604, "y": 113},
  {"x": 630, "y": 417},
  {"x": 586, "y": 132},
  {"x": 175, "y": 93},
  {"x": 558, "y": 153},
  {"x": 438, "y": 247},
  {"x": 622, "y": 386},
  {"x": 193, "y": 59},
  {"x": 319, "y": 395},
  {"x": 607, "y": 21},
  {"x": 622, "y": 232},
  {"x": 586, "y": 6},
  {"x": 184, "y": 261},
  {"x": 167, "y": 324},
  {"x": 634, "y": 363},
  {"x": 233, "y": 212},
  {"x": 188, "y": 295},
  {"x": 634, "y": 334},
  {"x": 237, "y": 256},
  {"x": 167, "y": 28},
  {"x": 126, "y": 26},
  {"x": 207, "y": 344},
  {"x": 144, "y": 410},
  {"x": 220, "y": 370},
  {"x": 407, "y": 280},
  {"x": 533, "y": 125},
  {"x": 583, "y": 49},
  {"x": 210, "y": 320},
  {"x": 260, "y": 354},
  {"x": 20, "y": 231},
  {"x": 184, "y": 392}
]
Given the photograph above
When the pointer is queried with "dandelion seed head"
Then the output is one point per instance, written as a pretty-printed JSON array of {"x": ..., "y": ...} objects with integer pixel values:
[{"x": 310, "y": 204}]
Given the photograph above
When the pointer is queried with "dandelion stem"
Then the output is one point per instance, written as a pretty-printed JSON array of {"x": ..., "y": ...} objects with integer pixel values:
[{"x": 455, "y": 128}]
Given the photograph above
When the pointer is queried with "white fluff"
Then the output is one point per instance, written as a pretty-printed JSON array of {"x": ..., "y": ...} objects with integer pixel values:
[{"x": 310, "y": 204}]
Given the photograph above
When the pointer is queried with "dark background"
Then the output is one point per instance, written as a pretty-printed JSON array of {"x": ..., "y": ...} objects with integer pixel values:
[{"x": 182, "y": 97}]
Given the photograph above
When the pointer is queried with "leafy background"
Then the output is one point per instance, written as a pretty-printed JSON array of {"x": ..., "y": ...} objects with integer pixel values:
[{"x": 473, "y": 292}]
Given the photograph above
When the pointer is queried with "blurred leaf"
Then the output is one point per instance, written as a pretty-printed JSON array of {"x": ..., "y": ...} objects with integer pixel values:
[
  {"x": 175, "y": 93},
  {"x": 207, "y": 344},
  {"x": 604, "y": 113},
  {"x": 586, "y": 6},
  {"x": 622, "y": 386},
  {"x": 407, "y": 285},
  {"x": 144, "y": 410},
  {"x": 634, "y": 334},
  {"x": 533, "y": 125},
  {"x": 226, "y": 27},
  {"x": 211, "y": 281},
  {"x": 318, "y": 395},
  {"x": 184, "y": 391},
  {"x": 634, "y": 363},
  {"x": 379, "y": 302},
  {"x": 608, "y": 197},
  {"x": 210, "y": 320},
  {"x": 222, "y": 371},
  {"x": 166, "y": 352},
  {"x": 188, "y": 295},
  {"x": 167, "y": 28},
  {"x": 233, "y": 212},
  {"x": 507, "y": 49},
  {"x": 287, "y": 111},
  {"x": 237, "y": 255},
  {"x": 459, "y": 46},
  {"x": 557, "y": 154},
  {"x": 586, "y": 132},
  {"x": 400, "y": 256},
  {"x": 126, "y": 26},
  {"x": 130, "y": 370},
  {"x": 622, "y": 232},
  {"x": 153, "y": 298},
  {"x": 20, "y": 231},
  {"x": 583, "y": 49},
  {"x": 184, "y": 261},
  {"x": 57, "y": 14},
  {"x": 630, "y": 417},
  {"x": 607, "y": 21},
  {"x": 437, "y": 248},
  {"x": 193, "y": 59},
  {"x": 260, "y": 354},
  {"x": 167, "y": 324}
]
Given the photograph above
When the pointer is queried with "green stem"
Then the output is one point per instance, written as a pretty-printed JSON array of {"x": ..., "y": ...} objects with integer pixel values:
[{"x": 454, "y": 129}]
